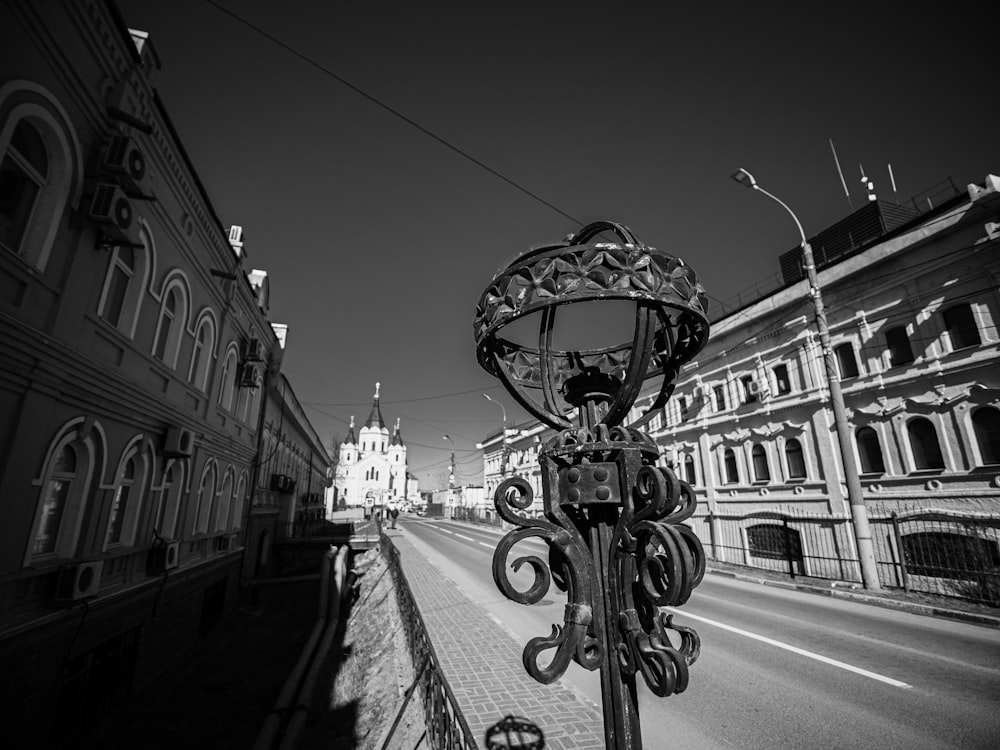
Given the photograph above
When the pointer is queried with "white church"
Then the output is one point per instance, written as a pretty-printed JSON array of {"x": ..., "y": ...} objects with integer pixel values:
[{"x": 371, "y": 469}]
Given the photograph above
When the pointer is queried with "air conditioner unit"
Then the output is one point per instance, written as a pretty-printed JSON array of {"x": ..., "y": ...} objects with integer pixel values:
[
  {"x": 111, "y": 209},
  {"x": 222, "y": 543},
  {"x": 254, "y": 351},
  {"x": 125, "y": 160},
  {"x": 250, "y": 378},
  {"x": 79, "y": 582},
  {"x": 179, "y": 442},
  {"x": 236, "y": 233},
  {"x": 753, "y": 387},
  {"x": 163, "y": 558}
]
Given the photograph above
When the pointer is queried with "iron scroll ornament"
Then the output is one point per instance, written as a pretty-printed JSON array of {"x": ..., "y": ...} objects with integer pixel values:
[
  {"x": 655, "y": 561},
  {"x": 612, "y": 519}
]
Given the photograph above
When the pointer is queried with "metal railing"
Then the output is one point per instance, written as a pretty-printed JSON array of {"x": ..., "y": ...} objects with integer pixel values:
[
  {"x": 935, "y": 551},
  {"x": 446, "y": 726}
]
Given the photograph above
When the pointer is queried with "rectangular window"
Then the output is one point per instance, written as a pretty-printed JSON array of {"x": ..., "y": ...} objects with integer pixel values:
[
  {"x": 749, "y": 389},
  {"x": 782, "y": 383},
  {"x": 719, "y": 395}
]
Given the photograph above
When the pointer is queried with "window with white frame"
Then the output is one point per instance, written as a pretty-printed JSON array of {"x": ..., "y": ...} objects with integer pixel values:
[
  {"x": 847, "y": 362},
  {"x": 986, "y": 426},
  {"x": 761, "y": 470},
  {"x": 731, "y": 474},
  {"x": 960, "y": 322},
  {"x": 227, "y": 386},
  {"x": 749, "y": 386},
  {"x": 171, "y": 323},
  {"x": 794, "y": 459},
  {"x": 126, "y": 502},
  {"x": 782, "y": 382},
  {"x": 64, "y": 489},
  {"x": 36, "y": 175},
  {"x": 220, "y": 514},
  {"x": 165, "y": 523},
  {"x": 206, "y": 500},
  {"x": 869, "y": 451},
  {"x": 924, "y": 445},
  {"x": 719, "y": 397},
  {"x": 898, "y": 342},
  {"x": 201, "y": 354},
  {"x": 689, "y": 469},
  {"x": 239, "y": 500}
]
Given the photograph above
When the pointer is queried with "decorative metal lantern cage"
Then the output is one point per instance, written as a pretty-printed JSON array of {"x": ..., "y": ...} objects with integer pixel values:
[{"x": 612, "y": 518}]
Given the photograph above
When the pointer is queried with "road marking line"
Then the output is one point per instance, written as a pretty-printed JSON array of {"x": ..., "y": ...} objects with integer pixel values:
[
  {"x": 793, "y": 649},
  {"x": 487, "y": 545},
  {"x": 462, "y": 536}
]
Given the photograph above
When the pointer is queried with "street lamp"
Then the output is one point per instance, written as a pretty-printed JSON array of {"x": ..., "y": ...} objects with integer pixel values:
[
  {"x": 612, "y": 519},
  {"x": 503, "y": 434},
  {"x": 451, "y": 475},
  {"x": 859, "y": 513}
]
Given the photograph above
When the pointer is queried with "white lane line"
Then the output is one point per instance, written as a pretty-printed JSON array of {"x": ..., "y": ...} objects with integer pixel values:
[
  {"x": 462, "y": 536},
  {"x": 491, "y": 546},
  {"x": 793, "y": 649}
]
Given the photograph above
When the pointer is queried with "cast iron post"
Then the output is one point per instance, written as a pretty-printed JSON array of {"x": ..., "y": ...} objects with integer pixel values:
[{"x": 612, "y": 518}]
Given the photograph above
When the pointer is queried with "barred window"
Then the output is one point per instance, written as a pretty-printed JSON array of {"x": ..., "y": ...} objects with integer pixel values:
[
  {"x": 942, "y": 554},
  {"x": 774, "y": 541}
]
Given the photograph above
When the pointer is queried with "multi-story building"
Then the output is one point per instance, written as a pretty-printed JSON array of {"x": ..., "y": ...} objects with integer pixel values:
[
  {"x": 912, "y": 297},
  {"x": 136, "y": 343}
]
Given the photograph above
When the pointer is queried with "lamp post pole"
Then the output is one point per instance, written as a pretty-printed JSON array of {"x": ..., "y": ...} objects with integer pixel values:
[
  {"x": 855, "y": 496},
  {"x": 503, "y": 435},
  {"x": 451, "y": 476},
  {"x": 612, "y": 519}
]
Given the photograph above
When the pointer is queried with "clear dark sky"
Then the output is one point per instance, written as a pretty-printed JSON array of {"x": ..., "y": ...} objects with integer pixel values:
[{"x": 378, "y": 239}]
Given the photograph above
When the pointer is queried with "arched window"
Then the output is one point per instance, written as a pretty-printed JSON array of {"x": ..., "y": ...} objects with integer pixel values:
[
  {"x": 169, "y": 327},
  {"x": 239, "y": 498},
  {"x": 55, "y": 498},
  {"x": 986, "y": 424},
  {"x": 64, "y": 490},
  {"x": 869, "y": 451},
  {"x": 761, "y": 471},
  {"x": 794, "y": 459},
  {"x": 24, "y": 174},
  {"x": 165, "y": 523},
  {"x": 847, "y": 363},
  {"x": 206, "y": 500},
  {"x": 220, "y": 519},
  {"x": 201, "y": 355},
  {"x": 126, "y": 503},
  {"x": 924, "y": 444},
  {"x": 228, "y": 384},
  {"x": 732, "y": 474},
  {"x": 36, "y": 172},
  {"x": 961, "y": 326},
  {"x": 900, "y": 352},
  {"x": 689, "y": 469}
]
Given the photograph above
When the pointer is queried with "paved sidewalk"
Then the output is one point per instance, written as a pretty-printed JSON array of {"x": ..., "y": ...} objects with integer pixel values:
[{"x": 482, "y": 663}]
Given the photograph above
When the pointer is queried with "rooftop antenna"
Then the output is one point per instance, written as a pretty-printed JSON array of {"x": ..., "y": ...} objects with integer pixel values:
[
  {"x": 893, "y": 181},
  {"x": 869, "y": 185},
  {"x": 841, "y": 173}
]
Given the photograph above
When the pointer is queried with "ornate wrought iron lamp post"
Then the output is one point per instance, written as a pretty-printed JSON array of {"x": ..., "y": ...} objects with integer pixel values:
[{"x": 612, "y": 519}]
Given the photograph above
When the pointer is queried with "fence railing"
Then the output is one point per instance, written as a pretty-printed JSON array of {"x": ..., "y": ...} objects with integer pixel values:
[
  {"x": 447, "y": 728},
  {"x": 945, "y": 552},
  {"x": 935, "y": 551}
]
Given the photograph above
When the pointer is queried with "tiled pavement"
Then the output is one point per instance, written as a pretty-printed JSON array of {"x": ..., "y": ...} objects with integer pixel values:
[{"x": 482, "y": 663}]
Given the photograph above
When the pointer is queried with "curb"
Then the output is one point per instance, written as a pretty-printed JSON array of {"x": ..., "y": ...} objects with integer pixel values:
[{"x": 897, "y": 604}]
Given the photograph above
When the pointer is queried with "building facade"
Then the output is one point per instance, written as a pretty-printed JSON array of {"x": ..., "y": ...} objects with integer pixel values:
[
  {"x": 371, "y": 469},
  {"x": 136, "y": 348},
  {"x": 913, "y": 312}
]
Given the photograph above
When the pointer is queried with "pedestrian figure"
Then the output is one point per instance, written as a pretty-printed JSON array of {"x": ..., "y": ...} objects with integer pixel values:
[{"x": 393, "y": 513}]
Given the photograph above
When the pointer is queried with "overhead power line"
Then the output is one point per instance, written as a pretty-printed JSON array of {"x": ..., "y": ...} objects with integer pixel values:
[{"x": 391, "y": 110}]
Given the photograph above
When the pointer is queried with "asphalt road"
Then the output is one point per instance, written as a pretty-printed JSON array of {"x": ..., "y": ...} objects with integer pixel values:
[{"x": 778, "y": 668}]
